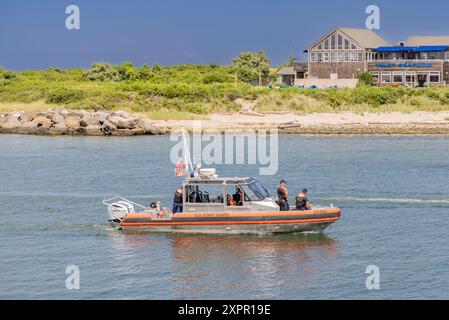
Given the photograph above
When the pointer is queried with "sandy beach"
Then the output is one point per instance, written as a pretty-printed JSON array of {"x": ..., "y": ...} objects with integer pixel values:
[{"x": 324, "y": 123}]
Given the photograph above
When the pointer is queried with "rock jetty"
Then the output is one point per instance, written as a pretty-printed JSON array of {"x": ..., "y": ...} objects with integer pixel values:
[{"x": 77, "y": 122}]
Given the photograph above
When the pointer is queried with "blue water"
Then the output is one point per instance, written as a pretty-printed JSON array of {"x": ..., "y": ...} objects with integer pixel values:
[{"x": 394, "y": 192}]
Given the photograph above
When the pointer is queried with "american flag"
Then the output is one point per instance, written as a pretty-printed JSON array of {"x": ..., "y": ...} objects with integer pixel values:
[{"x": 181, "y": 169}]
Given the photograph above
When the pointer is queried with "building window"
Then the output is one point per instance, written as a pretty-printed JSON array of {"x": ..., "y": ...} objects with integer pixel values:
[
  {"x": 333, "y": 41},
  {"x": 346, "y": 56},
  {"x": 398, "y": 77},
  {"x": 312, "y": 57},
  {"x": 340, "y": 42},
  {"x": 360, "y": 56},
  {"x": 340, "y": 57},
  {"x": 432, "y": 56},
  {"x": 300, "y": 75},
  {"x": 410, "y": 77},
  {"x": 353, "y": 47},
  {"x": 326, "y": 44},
  {"x": 333, "y": 56},
  {"x": 353, "y": 56},
  {"x": 326, "y": 57},
  {"x": 447, "y": 56},
  {"x": 320, "y": 57},
  {"x": 386, "y": 77},
  {"x": 346, "y": 44},
  {"x": 434, "y": 77},
  {"x": 320, "y": 47}
]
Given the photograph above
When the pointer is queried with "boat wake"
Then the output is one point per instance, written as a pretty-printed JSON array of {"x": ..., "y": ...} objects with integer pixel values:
[{"x": 387, "y": 200}]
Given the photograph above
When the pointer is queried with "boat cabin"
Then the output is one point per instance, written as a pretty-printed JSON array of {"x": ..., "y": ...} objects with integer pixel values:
[{"x": 226, "y": 194}]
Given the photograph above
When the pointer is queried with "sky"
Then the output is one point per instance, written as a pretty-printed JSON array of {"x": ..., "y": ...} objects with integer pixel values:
[{"x": 33, "y": 34}]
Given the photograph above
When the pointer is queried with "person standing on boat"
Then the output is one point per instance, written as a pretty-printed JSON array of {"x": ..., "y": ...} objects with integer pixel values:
[
  {"x": 177, "y": 201},
  {"x": 283, "y": 196}
]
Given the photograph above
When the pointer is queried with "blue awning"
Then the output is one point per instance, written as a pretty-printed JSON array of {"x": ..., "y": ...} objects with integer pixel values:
[
  {"x": 431, "y": 48},
  {"x": 395, "y": 49},
  {"x": 412, "y": 49}
]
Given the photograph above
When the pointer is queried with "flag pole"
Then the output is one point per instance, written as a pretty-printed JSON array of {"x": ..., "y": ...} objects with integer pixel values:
[{"x": 186, "y": 151}]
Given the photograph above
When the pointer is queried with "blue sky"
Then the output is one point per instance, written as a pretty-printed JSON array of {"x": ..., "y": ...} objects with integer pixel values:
[{"x": 33, "y": 33}]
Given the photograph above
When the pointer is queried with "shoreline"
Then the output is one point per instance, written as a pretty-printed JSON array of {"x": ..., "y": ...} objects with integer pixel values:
[{"x": 121, "y": 123}]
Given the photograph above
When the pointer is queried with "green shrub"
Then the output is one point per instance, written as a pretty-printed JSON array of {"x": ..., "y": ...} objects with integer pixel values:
[
  {"x": 365, "y": 79},
  {"x": 65, "y": 96},
  {"x": 102, "y": 72},
  {"x": 6, "y": 74},
  {"x": 415, "y": 102}
]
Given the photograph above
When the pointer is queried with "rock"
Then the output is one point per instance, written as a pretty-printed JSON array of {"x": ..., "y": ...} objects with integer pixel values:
[
  {"x": 27, "y": 116},
  {"x": 89, "y": 120},
  {"x": 137, "y": 132},
  {"x": 2, "y": 119},
  {"x": 41, "y": 121},
  {"x": 15, "y": 115},
  {"x": 58, "y": 118},
  {"x": 102, "y": 116},
  {"x": 58, "y": 129},
  {"x": 12, "y": 122},
  {"x": 122, "y": 133},
  {"x": 124, "y": 123},
  {"x": 73, "y": 122},
  {"x": 120, "y": 113},
  {"x": 149, "y": 127},
  {"x": 108, "y": 128},
  {"x": 60, "y": 126},
  {"x": 30, "y": 124},
  {"x": 94, "y": 130}
]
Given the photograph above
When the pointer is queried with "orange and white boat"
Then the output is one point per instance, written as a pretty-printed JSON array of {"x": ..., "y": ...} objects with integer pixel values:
[
  {"x": 218, "y": 205},
  {"x": 257, "y": 213}
]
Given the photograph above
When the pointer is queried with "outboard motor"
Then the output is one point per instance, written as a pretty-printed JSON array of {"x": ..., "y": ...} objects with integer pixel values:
[{"x": 118, "y": 210}]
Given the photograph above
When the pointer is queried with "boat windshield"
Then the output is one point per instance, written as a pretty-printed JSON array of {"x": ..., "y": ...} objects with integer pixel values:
[{"x": 255, "y": 191}]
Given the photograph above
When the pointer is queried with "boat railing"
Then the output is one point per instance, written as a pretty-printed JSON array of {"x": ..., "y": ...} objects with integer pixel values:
[{"x": 111, "y": 201}]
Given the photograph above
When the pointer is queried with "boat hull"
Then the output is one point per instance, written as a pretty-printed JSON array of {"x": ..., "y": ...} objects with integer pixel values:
[{"x": 235, "y": 223}]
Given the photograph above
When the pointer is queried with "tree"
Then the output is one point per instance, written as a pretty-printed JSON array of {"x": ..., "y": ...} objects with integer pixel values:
[
  {"x": 252, "y": 66},
  {"x": 365, "y": 79}
]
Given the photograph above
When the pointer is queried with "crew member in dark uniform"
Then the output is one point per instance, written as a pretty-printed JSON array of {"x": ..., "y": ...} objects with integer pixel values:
[
  {"x": 238, "y": 196},
  {"x": 302, "y": 202},
  {"x": 177, "y": 201},
  {"x": 283, "y": 196}
]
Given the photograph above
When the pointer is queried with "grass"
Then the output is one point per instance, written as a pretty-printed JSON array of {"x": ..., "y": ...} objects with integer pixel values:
[
  {"x": 177, "y": 115},
  {"x": 39, "y": 105},
  {"x": 358, "y": 100},
  {"x": 186, "y": 92}
]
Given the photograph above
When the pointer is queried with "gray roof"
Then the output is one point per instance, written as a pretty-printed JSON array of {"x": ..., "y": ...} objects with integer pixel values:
[
  {"x": 286, "y": 71},
  {"x": 427, "y": 41},
  {"x": 366, "y": 38}
]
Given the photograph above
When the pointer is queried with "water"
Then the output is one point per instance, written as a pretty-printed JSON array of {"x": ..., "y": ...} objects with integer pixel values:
[{"x": 394, "y": 192}]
